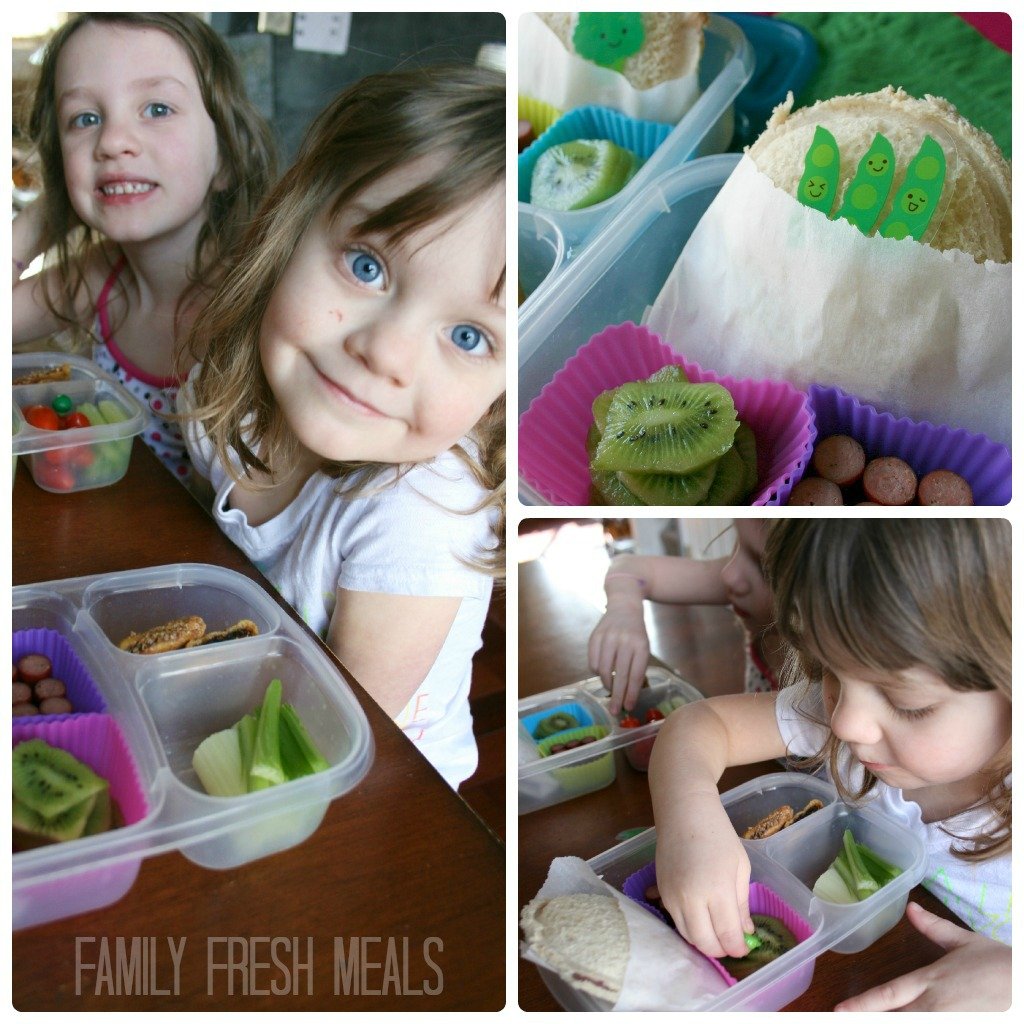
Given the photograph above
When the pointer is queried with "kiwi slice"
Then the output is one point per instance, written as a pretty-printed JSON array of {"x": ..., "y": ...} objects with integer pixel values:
[
  {"x": 580, "y": 173},
  {"x": 671, "y": 374},
  {"x": 729, "y": 485},
  {"x": 607, "y": 487},
  {"x": 558, "y": 722},
  {"x": 746, "y": 445},
  {"x": 670, "y": 488},
  {"x": 49, "y": 780},
  {"x": 775, "y": 938},
  {"x": 64, "y": 825},
  {"x": 666, "y": 428}
]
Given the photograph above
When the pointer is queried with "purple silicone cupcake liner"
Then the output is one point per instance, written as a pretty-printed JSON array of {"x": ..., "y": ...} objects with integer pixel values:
[
  {"x": 82, "y": 691},
  {"x": 553, "y": 430},
  {"x": 924, "y": 446},
  {"x": 593, "y": 122},
  {"x": 762, "y": 901},
  {"x": 97, "y": 741}
]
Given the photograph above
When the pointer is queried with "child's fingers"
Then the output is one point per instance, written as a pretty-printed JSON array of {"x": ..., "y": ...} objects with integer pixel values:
[
  {"x": 897, "y": 994},
  {"x": 942, "y": 932}
]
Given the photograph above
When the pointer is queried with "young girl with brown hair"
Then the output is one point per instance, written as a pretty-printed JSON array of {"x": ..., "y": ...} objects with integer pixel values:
[
  {"x": 153, "y": 163},
  {"x": 900, "y": 638},
  {"x": 349, "y": 409}
]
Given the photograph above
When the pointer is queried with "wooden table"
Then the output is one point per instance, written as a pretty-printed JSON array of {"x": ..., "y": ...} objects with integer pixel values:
[
  {"x": 703, "y": 645},
  {"x": 401, "y": 872}
]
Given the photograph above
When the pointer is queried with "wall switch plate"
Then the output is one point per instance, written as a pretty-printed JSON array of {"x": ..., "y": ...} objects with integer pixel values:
[
  {"x": 323, "y": 33},
  {"x": 278, "y": 23}
]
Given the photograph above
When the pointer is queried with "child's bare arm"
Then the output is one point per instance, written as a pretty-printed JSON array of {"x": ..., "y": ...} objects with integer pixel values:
[
  {"x": 390, "y": 641},
  {"x": 703, "y": 870},
  {"x": 619, "y": 649}
]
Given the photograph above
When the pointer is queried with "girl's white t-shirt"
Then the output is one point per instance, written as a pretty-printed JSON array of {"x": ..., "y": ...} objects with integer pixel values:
[
  {"x": 977, "y": 892},
  {"x": 408, "y": 538}
]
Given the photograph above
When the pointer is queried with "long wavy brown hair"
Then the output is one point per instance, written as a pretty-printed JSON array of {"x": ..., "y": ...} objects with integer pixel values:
[
  {"x": 889, "y": 594},
  {"x": 244, "y": 141},
  {"x": 375, "y": 127}
]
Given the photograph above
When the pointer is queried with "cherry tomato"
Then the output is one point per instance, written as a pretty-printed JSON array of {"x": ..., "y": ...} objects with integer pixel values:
[
  {"x": 57, "y": 456},
  {"x": 43, "y": 417},
  {"x": 653, "y": 715},
  {"x": 57, "y": 478},
  {"x": 74, "y": 420},
  {"x": 82, "y": 455},
  {"x": 629, "y": 722}
]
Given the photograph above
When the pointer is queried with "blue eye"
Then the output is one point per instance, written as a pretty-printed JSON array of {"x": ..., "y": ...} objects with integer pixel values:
[
  {"x": 365, "y": 267},
  {"x": 158, "y": 110},
  {"x": 470, "y": 339},
  {"x": 86, "y": 120}
]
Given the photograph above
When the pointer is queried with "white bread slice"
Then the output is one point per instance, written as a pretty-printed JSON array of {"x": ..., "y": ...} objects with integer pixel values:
[
  {"x": 583, "y": 937},
  {"x": 977, "y": 219},
  {"x": 673, "y": 43}
]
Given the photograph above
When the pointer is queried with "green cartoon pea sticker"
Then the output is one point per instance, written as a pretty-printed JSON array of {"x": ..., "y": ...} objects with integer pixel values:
[
  {"x": 817, "y": 188},
  {"x": 867, "y": 193},
  {"x": 918, "y": 196},
  {"x": 608, "y": 39}
]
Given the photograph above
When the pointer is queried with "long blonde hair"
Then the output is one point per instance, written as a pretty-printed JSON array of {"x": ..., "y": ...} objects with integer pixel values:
[
  {"x": 376, "y": 126},
  {"x": 244, "y": 143},
  {"x": 889, "y": 594}
]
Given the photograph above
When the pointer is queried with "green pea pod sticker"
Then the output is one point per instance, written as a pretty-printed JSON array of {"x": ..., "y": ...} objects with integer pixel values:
[
  {"x": 817, "y": 188},
  {"x": 867, "y": 193},
  {"x": 608, "y": 39},
  {"x": 917, "y": 198}
]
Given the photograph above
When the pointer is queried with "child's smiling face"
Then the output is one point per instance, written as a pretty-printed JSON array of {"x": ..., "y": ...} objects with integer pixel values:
[
  {"x": 139, "y": 147},
  {"x": 912, "y": 730},
  {"x": 384, "y": 351}
]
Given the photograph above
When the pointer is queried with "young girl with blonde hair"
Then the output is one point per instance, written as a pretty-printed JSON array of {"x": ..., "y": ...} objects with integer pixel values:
[
  {"x": 900, "y": 638},
  {"x": 153, "y": 162},
  {"x": 349, "y": 409}
]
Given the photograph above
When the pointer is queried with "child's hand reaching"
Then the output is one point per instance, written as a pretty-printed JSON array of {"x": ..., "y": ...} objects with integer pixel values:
[
  {"x": 619, "y": 649},
  {"x": 973, "y": 975},
  {"x": 704, "y": 878}
]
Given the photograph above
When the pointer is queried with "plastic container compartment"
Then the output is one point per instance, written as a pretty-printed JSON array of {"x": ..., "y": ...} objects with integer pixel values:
[
  {"x": 551, "y": 778},
  {"x": 64, "y": 461},
  {"x": 788, "y": 864},
  {"x": 617, "y": 277},
  {"x": 707, "y": 127},
  {"x": 163, "y": 706}
]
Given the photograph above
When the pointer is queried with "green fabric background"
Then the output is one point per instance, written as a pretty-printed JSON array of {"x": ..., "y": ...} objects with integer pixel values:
[{"x": 936, "y": 53}]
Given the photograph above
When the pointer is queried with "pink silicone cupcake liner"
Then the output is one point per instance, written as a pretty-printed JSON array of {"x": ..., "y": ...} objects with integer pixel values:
[
  {"x": 762, "y": 901},
  {"x": 66, "y": 666},
  {"x": 553, "y": 431},
  {"x": 593, "y": 122},
  {"x": 97, "y": 741},
  {"x": 924, "y": 446}
]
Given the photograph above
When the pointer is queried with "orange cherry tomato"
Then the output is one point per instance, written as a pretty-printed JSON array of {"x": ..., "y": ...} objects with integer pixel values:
[
  {"x": 653, "y": 715},
  {"x": 42, "y": 417},
  {"x": 74, "y": 420},
  {"x": 629, "y": 722}
]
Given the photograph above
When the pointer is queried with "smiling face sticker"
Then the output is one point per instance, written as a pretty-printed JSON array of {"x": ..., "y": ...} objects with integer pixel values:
[
  {"x": 876, "y": 164},
  {"x": 608, "y": 39},
  {"x": 913, "y": 201},
  {"x": 815, "y": 187}
]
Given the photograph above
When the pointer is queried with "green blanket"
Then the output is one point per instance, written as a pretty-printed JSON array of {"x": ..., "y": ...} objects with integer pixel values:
[{"x": 924, "y": 53}]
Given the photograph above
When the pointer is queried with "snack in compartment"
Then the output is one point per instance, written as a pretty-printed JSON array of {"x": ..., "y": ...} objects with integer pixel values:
[
  {"x": 62, "y": 371},
  {"x": 170, "y": 636},
  {"x": 580, "y": 173},
  {"x": 780, "y": 818}
]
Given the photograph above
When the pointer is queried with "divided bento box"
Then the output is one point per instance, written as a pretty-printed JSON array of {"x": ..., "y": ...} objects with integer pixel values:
[
  {"x": 727, "y": 64},
  {"x": 79, "y": 458},
  {"x": 137, "y": 720},
  {"x": 787, "y": 864},
  {"x": 568, "y": 736}
]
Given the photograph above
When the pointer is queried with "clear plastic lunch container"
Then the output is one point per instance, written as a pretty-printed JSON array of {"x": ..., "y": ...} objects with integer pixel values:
[
  {"x": 79, "y": 458},
  {"x": 727, "y": 64},
  {"x": 548, "y": 777},
  {"x": 617, "y": 277},
  {"x": 154, "y": 710},
  {"x": 788, "y": 863}
]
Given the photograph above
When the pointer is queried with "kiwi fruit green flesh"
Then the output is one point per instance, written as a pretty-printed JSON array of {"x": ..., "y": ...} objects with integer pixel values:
[
  {"x": 101, "y": 817},
  {"x": 666, "y": 428},
  {"x": 600, "y": 409},
  {"x": 671, "y": 374},
  {"x": 49, "y": 780},
  {"x": 671, "y": 488},
  {"x": 609, "y": 489},
  {"x": 581, "y": 173},
  {"x": 60, "y": 827},
  {"x": 558, "y": 722},
  {"x": 746, "y": 445},
  {"x": 729, "y": 484},
  {"x": 776, "y": 939}
]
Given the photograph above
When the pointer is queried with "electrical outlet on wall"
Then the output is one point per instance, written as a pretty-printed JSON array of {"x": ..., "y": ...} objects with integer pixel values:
[{"x": 324, "y": 33}]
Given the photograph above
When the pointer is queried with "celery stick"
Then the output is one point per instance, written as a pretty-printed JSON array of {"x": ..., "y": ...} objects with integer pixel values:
[
  {"x": 881, "y": 870},
  {"x": 217, "y": 761},
  {"x": 266, "y": 769},
  {"x": 246, "y": 729},
  {"x": 830, "y": 886},
  {"x": 294, "y": 733},
  {"x": 865, "y": 884}
]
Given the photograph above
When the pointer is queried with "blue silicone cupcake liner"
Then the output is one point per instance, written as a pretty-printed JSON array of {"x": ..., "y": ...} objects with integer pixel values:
[
  {"x": 578, "y": 711},
  {"x": 81, "y": 689},
  {"x": 640, "y": 137}
]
